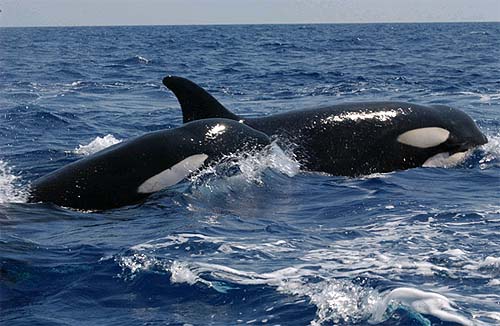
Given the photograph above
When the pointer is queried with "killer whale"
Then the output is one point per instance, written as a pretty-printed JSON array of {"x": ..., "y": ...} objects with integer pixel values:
[
  {"x": 128, "y": 172},
  {"x": 351, "y": 139}
]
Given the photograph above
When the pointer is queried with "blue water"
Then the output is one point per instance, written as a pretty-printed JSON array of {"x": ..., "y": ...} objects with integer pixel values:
[{"x": 269, "y": 245}]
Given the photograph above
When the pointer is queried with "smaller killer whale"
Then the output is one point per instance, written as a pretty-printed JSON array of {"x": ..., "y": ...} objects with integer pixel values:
[
  {"x": 128, "y": 172},
  {"x": 352, "y": 139}
]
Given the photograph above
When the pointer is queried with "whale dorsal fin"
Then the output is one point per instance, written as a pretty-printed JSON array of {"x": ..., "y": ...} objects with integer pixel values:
[{"x": 196, "y": 103}]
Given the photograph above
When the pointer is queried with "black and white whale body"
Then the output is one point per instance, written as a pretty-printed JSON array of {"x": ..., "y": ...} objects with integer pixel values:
[
  {"x": 128, "y": 172},
  {"x": 352, "y": 139}
]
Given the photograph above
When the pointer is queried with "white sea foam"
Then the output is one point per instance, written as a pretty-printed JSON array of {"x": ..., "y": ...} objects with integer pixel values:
[
  {"x": 10, "y": 189},
  {"x": 98, "y": 144},
  {"x": 180, "y": 273},
  {"x": 490, "y": 263},
  {"x": 137, "y": 262},
  {"x": 324, "y": 277},
  {"x": 176, "y": 239},
  {"x": 269, "y": 248},
  {"x": 484, "y": 98},
  {"x": 423, "y": 302},
  {"x": 493, "y": 315},
  {"x": 337, "y": 300},
  {"x": 142, "y": 59},
  {"x": 492, "y": 151}
]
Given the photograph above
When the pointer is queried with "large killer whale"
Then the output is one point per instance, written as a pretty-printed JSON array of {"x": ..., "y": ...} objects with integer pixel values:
[
  {"x": 128, "y": 172},
  {"x": 352, "y": 139}
]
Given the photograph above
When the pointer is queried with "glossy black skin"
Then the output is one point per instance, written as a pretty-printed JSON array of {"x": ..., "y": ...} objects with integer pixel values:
[
  {"x": 110, "y": 178},
  {"x": 348, "y": 147}
]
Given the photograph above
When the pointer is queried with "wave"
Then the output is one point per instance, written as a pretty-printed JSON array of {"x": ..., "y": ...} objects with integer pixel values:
[
  {"x": 137, "y": 59},
  {"x": 337, "y": 299},
  {"x": 30, "y": 116},
  {"x": 479, "y": 33},
  {"x": 483, "y": 97},
  {"x": 423, "y": 302},
  {"x": 69, "y": 73}
]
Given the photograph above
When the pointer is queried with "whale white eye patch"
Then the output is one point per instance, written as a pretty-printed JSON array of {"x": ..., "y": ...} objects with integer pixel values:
[
  {"x": 424, "y": 137},
  {"x": 172, "y": 176}
]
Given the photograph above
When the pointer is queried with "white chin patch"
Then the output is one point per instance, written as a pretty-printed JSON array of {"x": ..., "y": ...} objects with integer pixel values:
[
  {"x": 173, "y": 175},
  {"x": 424, "y": 137},
  {"x": 445, "y": 160}
]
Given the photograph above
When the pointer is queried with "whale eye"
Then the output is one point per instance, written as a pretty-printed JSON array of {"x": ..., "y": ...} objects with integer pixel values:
[
  {"x": 424, "y": 137},
  {"x": 173, "y": 175}
]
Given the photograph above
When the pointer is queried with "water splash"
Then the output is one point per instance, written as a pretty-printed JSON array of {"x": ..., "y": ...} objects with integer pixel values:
[
  {"x": 251, "y": 166},
  {"x": 11, "y": 190},
  {"x": 236, "y": 180},
  {"x": 272, "y": 158},
  {"x": 96, "y": 145},
  {"x": 491, "y": 151}
]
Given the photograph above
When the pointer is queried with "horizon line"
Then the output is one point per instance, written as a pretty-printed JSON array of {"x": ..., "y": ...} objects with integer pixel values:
[{"x": 258, "y": 23}]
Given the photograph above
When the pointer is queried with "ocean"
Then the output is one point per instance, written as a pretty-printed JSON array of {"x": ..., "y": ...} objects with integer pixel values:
[{"x": 269, "y": 244}]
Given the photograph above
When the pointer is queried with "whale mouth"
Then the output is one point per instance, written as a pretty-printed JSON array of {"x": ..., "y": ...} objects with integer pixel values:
[
  {"x": 456, "y": 152},
  {"x": 446, "y": 159}
]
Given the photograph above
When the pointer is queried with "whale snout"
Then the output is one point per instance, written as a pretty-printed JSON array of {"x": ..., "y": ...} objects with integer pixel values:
[
  {"x": 482, "y": 139},
  {"x": 464, "y": 132},
  {"x": 464, "y": 142}
]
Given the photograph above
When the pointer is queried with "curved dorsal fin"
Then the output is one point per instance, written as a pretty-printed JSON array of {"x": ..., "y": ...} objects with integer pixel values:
[{"x": 196, "y": 103}]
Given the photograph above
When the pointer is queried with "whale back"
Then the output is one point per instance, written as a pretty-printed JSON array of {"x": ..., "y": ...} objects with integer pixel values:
[
  {"x": 354, "y": 138},
  {"x": 128, "y": 172}
]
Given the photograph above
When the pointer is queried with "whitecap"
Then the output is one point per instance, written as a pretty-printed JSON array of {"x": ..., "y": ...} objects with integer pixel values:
[
  {"x": 136, "y": 263},
  {"x": 483, "y": 97},
  {"x": 76, "y": 83},
  {"x": 426, "y": 303},
  {"x": 180, "y": 273},
  {"x": 490, "y": 263},
  {"x": 479, "y": 33},
  {"x": 142, "y": 59}
]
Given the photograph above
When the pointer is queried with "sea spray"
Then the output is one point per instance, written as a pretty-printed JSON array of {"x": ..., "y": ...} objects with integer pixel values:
[
  {"x": 96, "y": 145},
  {"x": 11, "y": 190}
]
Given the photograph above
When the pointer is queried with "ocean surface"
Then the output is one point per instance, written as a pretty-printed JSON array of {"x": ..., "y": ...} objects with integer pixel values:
[{"x": 269, "y": 244}]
